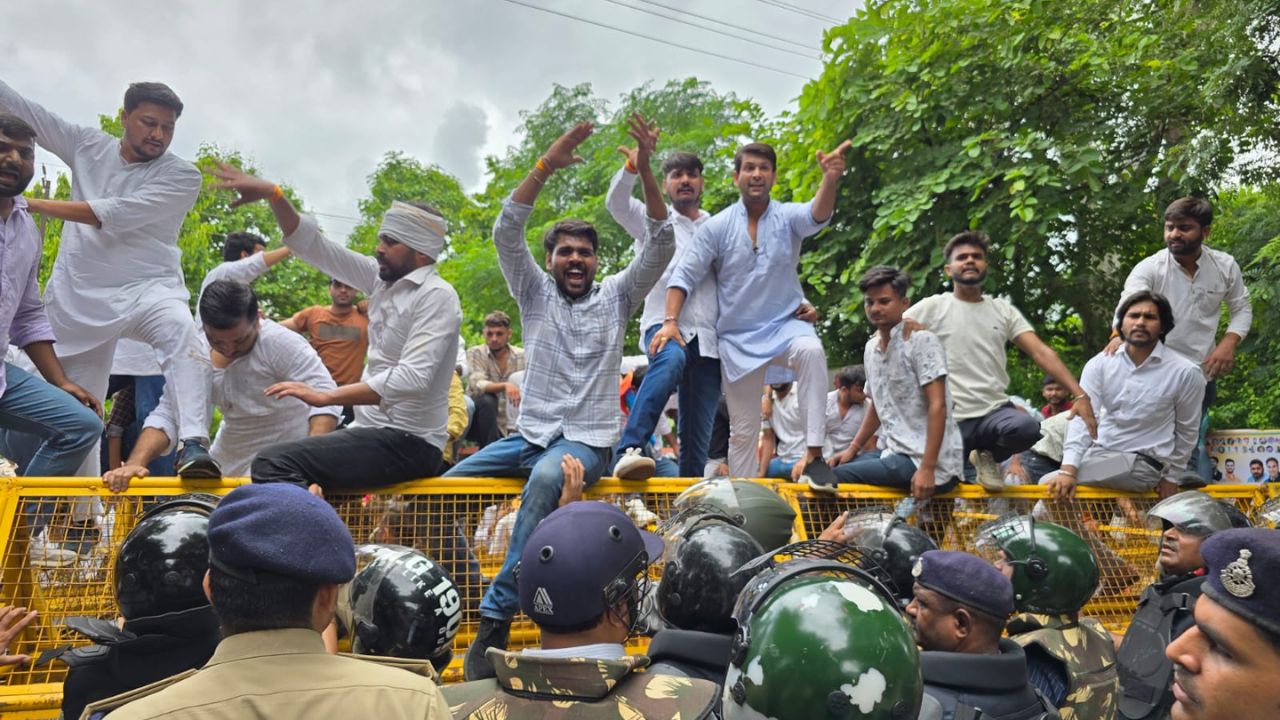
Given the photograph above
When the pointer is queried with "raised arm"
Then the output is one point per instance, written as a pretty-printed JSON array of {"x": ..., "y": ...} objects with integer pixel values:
[
  {"x": 53, "y": 133},
  {"x": 625, "y": 209},
  {"x": 833, "y": 166},
  {"x": 646, "y": 269},
  {"x": 1048, "y": 360}
]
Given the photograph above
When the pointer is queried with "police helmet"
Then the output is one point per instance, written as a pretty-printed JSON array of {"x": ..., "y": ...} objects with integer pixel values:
[
  {"x": 402, "y": 605},
  {"x": 818, "y": 638},
  {"x": 765, "y": 515},
  {"x": 1054, "y": 571},
  {"x": 1193, "y": 512},
  {"x": 892, "y": 543},
  {"x": 703, "y": 551},
  {"x": 161, "y": 564}
]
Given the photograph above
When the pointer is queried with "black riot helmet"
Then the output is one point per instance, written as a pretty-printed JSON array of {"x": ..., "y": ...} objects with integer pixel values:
[
  {"x": 403, "y": 605},
  {"x": 892, "y": 544},
  {"x": 703, "y": 551},
  {"x": 162, "y": 563}
]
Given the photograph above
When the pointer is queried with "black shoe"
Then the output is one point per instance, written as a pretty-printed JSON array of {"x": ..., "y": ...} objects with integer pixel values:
[
  {"x": 195, "y": 463},
  {"x": 492, "y": 633},
  {"x": 820, "y": 477}
]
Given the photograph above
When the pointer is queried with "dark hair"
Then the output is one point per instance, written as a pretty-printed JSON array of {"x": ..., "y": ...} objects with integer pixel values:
[
  {"x": 225, "y": 304},
  {"x": 336, "y": 281},
  {"x": 497, "y": 318},
  {"x": 976, "y": 238},
  {"x": 1048, "y": 380},
  {"x": 572, "y": 228},
  {"x": 274, "y": 602},
  {"x": 1255, "y": 461},
  {"x": 761, "y": 149},
  {"x": 1162, "y": 307},
  {"x": 1195, "y": 208},
  {"x": 239, "y": 243},
  {"x": 1271, "y": 459},
  {"x": 15, "y": 127},
  {"x": 154, "y": 93},
  {"x": 686, "y": 161},
  {"x": 851, "y": 375},
  {"x": 886, "y": 275}
]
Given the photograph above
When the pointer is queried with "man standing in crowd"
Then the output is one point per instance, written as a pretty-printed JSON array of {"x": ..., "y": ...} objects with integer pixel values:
[
  {"x": 753, "y": 249},
  {"x": 1198, "y": 281},
  {"x": 910, "y": 393},
  {"x": 573, "y": 332},
  {"x": 959, "y": 611},
  {"x": 692, "y": 368},
  {"x": 583, "y": 575},
  {"x": 278, "y": 556},
  {"x": 339, "y": 332},
  {"x": 249, "y": 355},
  {"x": 402, "y": 400},
  {"x": 1152, "y": 400},
  {"x": 119, "y": 269},
  {"x": 492, "y": 365},
  {"x": 976, "y": 330},
  {"x": 58, "y": 414},
  {"x": 1227, "y": 663}
]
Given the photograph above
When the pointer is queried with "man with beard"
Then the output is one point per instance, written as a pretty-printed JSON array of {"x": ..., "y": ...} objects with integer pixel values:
[
  {"x": 573, "y": 332},
  {"x": 975, "y": 329},
  {"x": 61, "y": 415},
  {"x": 1150, "y": 396},
  {"x": 1197, "y": 280},
  {"x": 492, "y": 388},
  {"x": 339, "y": 333}
]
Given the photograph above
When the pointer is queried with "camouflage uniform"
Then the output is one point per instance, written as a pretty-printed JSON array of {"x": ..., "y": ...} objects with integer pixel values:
[
  {"x": 1088, "y": 654},
  {"x": 569, "y": 689}
]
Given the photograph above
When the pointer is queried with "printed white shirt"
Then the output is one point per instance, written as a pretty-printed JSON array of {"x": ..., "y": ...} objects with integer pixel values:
[{"x": 841, "y": 430}]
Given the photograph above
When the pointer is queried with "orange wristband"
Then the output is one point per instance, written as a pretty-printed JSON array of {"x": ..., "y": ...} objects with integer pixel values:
[
  {"x": 631, "y": 167},
  {"x": 542, "y": 165},
  {"x": 277, "y": 193}
]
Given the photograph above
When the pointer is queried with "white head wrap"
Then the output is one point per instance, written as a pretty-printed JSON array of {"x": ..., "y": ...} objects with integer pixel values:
[{"x": 415, "y": 227}]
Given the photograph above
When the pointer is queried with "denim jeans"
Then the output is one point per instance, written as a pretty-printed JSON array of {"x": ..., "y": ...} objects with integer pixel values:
[
  {"x": 886, "y": 470},
  {"x": 779, "y": 468},
  {"x": 45, "y": 431},
  {"x": 513, "y": 456},
  {"x": 696, "y": 380},
  {"x": 147, "y": 390}
]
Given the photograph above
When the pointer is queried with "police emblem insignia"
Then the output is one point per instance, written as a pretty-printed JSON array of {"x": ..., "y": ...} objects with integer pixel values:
[
  {"x": 1237, "y": 578},
  {"x": 917, "y": 568}
]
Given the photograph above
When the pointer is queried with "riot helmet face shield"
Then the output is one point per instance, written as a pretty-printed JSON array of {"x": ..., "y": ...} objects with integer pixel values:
[{"x": 1192, "y": 512}]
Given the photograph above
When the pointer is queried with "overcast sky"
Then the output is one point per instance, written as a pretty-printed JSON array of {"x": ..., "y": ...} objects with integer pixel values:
[{"x": 316, "y": 91}]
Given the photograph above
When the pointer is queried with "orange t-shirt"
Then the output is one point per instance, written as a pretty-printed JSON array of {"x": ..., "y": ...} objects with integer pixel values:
[{"x": 340, "y": 342}]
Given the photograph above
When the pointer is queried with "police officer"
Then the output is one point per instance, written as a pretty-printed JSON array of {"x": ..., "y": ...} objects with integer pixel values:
[
  {"x": 762, "y": 512},
  {"x": 1165, "y": 607},
  {"x": 168, "y": 625},
  {"x": 277, "y": 557},
  {"x": 959, "y": 611},
  {"x": 695, "y": 597},
  {"x": 580, "y": 578},
  {"x": 1226, "y": 665},
  {"x": 819, "y": 638},
  {"x": 1071, "y": 659}
]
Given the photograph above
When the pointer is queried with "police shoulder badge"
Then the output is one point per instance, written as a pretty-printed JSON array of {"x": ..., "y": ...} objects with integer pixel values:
[{"x": 1237, "y": 578}]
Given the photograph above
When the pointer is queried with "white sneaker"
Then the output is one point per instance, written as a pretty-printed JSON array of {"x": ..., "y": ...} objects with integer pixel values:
[
  {"x": 989, "y": 475},
  {"x": 44, "y": 554},
  {"x": 634, "y": 466}
]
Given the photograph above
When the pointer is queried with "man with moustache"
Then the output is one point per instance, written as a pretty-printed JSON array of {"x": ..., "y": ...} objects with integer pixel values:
[
  {"x": 59, "y": 414},
  {"x": 495, "y": 392},
  {"x": 573, "y": 331}
]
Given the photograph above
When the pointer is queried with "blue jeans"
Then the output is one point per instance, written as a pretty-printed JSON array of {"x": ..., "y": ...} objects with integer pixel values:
[
  {"x": 885, "y": 470},
  {"x": 513, "y": 456},
  {"x": 45, "y": 431},
  {"x": 779, "y": 468},
  {"x": 696, "y": 379}
]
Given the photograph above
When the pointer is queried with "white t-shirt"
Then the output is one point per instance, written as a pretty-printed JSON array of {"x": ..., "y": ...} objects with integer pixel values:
[
  {"x": 840, "y": 430},
  {"x": 976, "y": 337},
  {"x": 787, "y": 425}
]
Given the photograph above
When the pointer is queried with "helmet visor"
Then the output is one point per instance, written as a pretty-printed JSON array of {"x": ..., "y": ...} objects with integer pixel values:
[{"x": 1193, "y": 513}]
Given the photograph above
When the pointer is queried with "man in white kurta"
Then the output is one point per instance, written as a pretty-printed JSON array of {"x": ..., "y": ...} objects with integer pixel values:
[
  {"x": 251, "y": 420},
  {"x": 118, "y": 273}
]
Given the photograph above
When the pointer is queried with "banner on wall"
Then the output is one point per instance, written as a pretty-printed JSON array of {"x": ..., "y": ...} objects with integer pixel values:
[{"x": 1244, "y": 456}]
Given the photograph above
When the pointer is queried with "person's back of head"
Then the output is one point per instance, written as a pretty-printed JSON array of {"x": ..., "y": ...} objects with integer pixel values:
[
  {"x": 402, "y": 604},
  {"x": 240, "y": 245},
  {"x": 161, "y": 564},
  {"x": 700, "y": 580},
  {"x": 1052, "y": 569}
]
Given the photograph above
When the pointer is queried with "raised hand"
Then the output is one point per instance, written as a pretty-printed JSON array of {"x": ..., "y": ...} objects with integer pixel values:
[
  {"x": 250, "y": 188},
  {"x": 646, "y": 135},
  {"x": 562, "y": 152},
  {"x": 832, "y": 163},
  {"x": 630, "y": 154}
]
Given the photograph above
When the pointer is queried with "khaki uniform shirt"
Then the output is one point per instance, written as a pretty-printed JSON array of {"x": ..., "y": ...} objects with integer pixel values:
[{"x": 281, "y": 674}]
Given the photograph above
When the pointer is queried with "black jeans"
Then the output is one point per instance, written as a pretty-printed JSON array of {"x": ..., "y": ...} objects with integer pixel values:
[
  {"x": 484, "y": 424},
  {"x": 1004, "y": 431},
  {"x": 359, "y": 457}
]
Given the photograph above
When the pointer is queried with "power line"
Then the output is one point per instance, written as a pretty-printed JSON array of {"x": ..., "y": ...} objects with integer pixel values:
[
  {"x": 657, "y": 39},
  {"x": 728, "y": 24},
  {"x": 802, "y": 11},
  {"x": 655, "y": 13}
]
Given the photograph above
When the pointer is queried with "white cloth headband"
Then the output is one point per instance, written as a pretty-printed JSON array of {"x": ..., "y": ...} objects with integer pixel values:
[{"x": 416, "y": 228}]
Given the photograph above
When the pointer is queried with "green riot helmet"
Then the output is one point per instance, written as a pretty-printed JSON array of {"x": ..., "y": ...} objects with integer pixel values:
[
  {"x": 1054, "y": 571},
  {"x": 820, "y": 639},
  {"x": 765, "y": 515},
  {"x": 703, "y": 551},
  {"x": 1193, "y": 512},
  {"x": 892, "y": 543}
]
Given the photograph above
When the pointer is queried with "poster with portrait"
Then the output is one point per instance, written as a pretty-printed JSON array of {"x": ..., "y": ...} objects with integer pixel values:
[{"x": 1244, "y": 456}]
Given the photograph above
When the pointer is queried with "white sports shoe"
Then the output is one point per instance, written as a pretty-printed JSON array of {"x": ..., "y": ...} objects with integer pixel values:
[
  {"x": 44, "y": 554},
  {"x": 989, "y": 475},
  {"x": 634, "y": 466}
]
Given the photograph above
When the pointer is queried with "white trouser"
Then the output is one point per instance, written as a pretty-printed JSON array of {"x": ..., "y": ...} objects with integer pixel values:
[
  {"x": 166, "y": 326},
  {"x": 804, "y": 356}
]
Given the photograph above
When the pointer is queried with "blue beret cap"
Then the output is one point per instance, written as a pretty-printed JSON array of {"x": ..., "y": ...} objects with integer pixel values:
[
  {"x": 282, "y": 529},
  {"x": 1244, "y": 574},
  {"x": 967, "y": 579},
  {"x": 572, "y": 555}
]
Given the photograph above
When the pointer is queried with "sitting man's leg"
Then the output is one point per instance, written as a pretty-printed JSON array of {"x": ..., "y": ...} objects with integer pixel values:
[
  {"x": 993, "y": 438},
  {"x": 359, "y": 457},
  {"x": 779, "y": 468},
  {"x": 514, "y": 457},
  {"x": 484, "y": 421},
  {"x": 665, "y": 371},
  {"x": 883, "y": 470}
]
